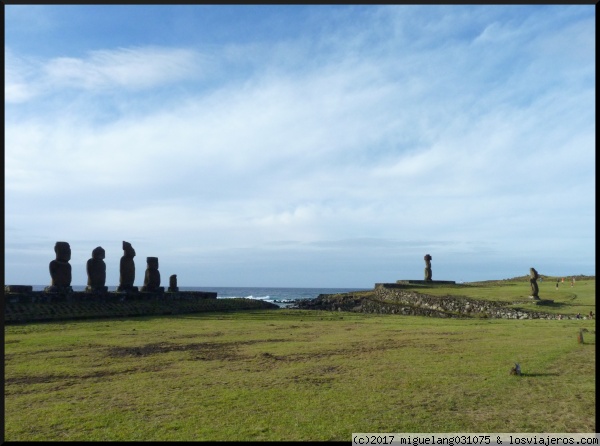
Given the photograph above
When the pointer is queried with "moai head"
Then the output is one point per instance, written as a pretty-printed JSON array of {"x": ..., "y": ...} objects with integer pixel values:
[
  {"x": 128, "y": 249},
  {"x": 98, "y": 253},
  {"x": 63, "y": 251},
  {"x": 152, "y": 262}
]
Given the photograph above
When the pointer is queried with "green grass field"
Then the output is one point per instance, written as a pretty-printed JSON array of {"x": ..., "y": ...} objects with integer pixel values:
[
  {"x": 567, "y": 300},
  {"x": 298, "y": 375},
  {"x": 581, "y": 298}
]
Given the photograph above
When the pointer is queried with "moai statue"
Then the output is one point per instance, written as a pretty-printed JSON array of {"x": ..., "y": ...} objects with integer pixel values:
[
  {"x": 533, "y": 277},
  {"x": 427, "y": 267},
  {"x": 173, "y": 283},
  {"x": 60, "y": 269},
  {"x": 127, "y": 269},
  {"x": 96, "y": 272},
  {"x": 152, "y": 276}
]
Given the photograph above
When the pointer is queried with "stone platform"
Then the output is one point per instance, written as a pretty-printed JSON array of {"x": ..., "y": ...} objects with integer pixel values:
[
  {"x": 426, "y": 282},
  {"x": 408, "y": 299},
  {"x": 22, "y": 305},
  {"x": 409, "y": 283},
  {"x": 24, "y": 294}
]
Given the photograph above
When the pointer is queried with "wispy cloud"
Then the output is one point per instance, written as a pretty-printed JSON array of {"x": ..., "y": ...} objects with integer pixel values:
[
  {"x": 126, "y": 67},
  {"x": 122, "y": 68}
]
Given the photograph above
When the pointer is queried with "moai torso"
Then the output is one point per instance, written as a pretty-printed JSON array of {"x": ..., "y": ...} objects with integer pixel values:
[
  {"x": 152, "y": 276},
  {"x": 533, "y": 276},
  {"x": 60, "y": 269},
  {"x": 96, "y": 271},
  {"x": 173, "y": 283},
  {"x": 427, "y": 267},
  {"x": 127, "y": 268}
]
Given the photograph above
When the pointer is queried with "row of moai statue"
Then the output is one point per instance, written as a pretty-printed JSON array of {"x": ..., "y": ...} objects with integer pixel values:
[{"x": 60, "y": 272}]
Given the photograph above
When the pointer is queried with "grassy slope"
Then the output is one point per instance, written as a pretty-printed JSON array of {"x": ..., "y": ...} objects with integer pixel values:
[
  {"x": 580, "y": 298},
  {"x": 295, "y": 375},
  {"x": 568, "y": 300}
]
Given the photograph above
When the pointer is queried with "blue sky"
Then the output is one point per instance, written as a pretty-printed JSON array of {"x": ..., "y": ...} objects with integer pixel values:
[{"x": 301, "y": 145}]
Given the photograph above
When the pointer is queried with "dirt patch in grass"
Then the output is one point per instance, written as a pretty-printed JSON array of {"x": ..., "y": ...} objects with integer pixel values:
[
  {"x": 319, "y": 376},
  {"x": 212, "y": 334},
  {"x": 269, "y": 359},
  {"x": 313, "y": 380},
  {"x": 323, "y": 370},
  {"x": 201, "y": 350},
  {"x": 54, "y": 378},
  {"x": 213, "y": 351},
  {"x": 18, "y": 385},
  {"x": 52, "y": 350},
  {"x": 268, "y": 355}
]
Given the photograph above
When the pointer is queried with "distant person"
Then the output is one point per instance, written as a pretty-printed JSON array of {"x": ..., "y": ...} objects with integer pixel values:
[
  {"x": 572, "y": 282},
  {"x": 578, "y": 316},
  {"x": 563, "y": 280},
  {"x": 591, "y": 314},
  {"x": 557, "y": 282}
]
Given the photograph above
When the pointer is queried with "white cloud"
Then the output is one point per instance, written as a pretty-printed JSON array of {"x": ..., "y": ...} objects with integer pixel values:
[
  {"x": 136, "y": 68},
  {"x": 373, "y": 145},
  {"x": 17, "y": 74}
]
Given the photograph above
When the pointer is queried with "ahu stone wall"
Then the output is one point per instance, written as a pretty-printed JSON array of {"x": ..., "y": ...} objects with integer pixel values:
[
  {"x": 394, "y": 299},
  {"x": 454, "y": 305},
  {"x": 22, "y": 305}
]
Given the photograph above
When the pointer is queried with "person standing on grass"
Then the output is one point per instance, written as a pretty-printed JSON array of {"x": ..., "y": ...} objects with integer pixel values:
[
  {"x": 572, "y": 282},
  {"x": 557, "y": 282}
]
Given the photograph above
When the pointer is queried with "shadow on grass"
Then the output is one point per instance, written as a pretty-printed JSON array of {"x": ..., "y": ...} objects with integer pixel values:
[
  {"x": 548, "y": 304},
  {"x": 533, "y": 375}
]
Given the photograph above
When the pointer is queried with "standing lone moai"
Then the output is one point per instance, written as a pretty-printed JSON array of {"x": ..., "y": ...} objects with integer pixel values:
[
  {"x": 127, "y": 269},
  {"x": 60, "y": 269},
  {"x": 427, "y": 259},
  {"x": 96, "y": 272},
  {"x": 152, "y": 276},
  {"x": 533, "y": 277},
  {"x": 173, "y": 283}
]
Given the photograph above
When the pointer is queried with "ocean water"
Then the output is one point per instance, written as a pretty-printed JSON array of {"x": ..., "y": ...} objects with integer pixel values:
[
  {"x": 283, "y": 297},
  {"x": 280, "y": 296}
]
